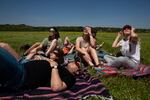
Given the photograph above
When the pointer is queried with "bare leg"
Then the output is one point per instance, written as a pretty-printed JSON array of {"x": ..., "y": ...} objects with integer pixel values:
[
  {"x": 10, "y": 50},
  {"x": 52, "y": 47},
  {"x": 94, "y": 55},
  {"x": 66, "y": 41},
  {"x": 32, "y": 47},
  {"x": 87, "y": 58}
]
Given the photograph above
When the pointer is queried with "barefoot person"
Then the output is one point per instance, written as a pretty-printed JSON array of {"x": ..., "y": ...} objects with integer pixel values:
[{"x": 85, "y": 45}]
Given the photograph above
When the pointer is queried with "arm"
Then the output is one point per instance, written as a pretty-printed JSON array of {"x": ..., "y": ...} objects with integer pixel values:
[
  {"x": 32, "y": 47},
  {"x": 134, "y": 37},
  {"x": 71, "y": 50},
  {"x": 36, "y": 47},
  {"x": 10, "y": 50},
  {"x": 116, "y": 42},
  {"x": 66, "y": 41},
  {"x": 52, "y": 47},
  {"x": 132, "y": 31},
  {"x": 92, "y": 39},
  {"x": 78, "y": 40},
  {"x": 43, "y": 43},
  {"x": 56, "y": 83},
  {"x": 30, "y": 55},
  {"x": 32, "y": 51}
]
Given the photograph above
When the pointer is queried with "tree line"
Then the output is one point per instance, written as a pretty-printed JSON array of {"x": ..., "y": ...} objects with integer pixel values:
[{"x": 23, "y": 27}]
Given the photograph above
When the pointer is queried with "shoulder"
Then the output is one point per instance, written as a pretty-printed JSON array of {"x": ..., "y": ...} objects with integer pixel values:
[
  {"x": 45, "y": 39},
  {"x": 59, "y": 39},
  {"x": 79, "y": 38},
  {"x": 121, "y": 41}
]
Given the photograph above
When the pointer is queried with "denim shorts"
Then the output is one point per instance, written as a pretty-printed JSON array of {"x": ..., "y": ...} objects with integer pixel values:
[{"x": 11, "y": 71}]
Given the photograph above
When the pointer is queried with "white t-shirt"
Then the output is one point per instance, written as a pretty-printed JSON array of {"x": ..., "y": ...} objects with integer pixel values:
[{"x": 133, "y": 52}]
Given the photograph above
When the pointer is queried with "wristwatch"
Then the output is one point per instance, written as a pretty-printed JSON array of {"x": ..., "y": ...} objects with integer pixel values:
[{"x": 54, "y": 67}]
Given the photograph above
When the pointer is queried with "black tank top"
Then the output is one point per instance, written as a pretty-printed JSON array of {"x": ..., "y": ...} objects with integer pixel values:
[{"x": 37, "y": 73}]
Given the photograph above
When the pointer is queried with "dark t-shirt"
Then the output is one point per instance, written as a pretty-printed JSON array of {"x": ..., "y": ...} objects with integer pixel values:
[{"x": 38, "y": 73}]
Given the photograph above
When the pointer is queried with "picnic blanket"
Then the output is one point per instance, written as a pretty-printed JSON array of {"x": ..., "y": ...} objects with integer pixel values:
[
  {"x": 144, "y": 70},
  {"x": 85, "y": 87}
]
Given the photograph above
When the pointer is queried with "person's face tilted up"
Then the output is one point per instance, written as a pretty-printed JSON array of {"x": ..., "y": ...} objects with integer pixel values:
[
  {"x": 73, "y": 67},
  {"x": 127, "y": 30}
]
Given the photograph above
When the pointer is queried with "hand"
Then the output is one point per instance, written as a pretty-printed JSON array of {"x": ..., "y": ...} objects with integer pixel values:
[
  {"x": 53, "y": 63},
  {"x": 119, "y": 33},
  {"x": 89, "y": 30},
  {"x": 72, "y": 45},
  {"x": 133, "y": 29}
]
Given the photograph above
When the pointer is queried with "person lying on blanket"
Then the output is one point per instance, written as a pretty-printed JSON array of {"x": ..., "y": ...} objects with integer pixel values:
[
  {"x": 130, "y": 49},
  {"x": 85, "y": 46},
  {"x": 68, "y": 47},
  {"x": 18, "y": 76},
  {"x": 31, "y": 55}
]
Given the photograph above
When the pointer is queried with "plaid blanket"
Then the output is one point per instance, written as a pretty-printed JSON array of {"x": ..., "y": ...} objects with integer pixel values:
[
  {"x": 144, "y": 70},
  {"x": 85, "y": 87}
]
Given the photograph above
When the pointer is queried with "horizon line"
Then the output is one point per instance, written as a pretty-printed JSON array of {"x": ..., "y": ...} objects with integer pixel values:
[{"x": 103, "y": 26}]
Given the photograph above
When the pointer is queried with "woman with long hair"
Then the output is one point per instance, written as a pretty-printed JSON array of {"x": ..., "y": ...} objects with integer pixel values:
[{"x": 130, "y": 49}]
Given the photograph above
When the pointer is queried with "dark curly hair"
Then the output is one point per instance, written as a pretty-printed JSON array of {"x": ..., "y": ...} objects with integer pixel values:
[
  {"x": 126, "y": 27},
  {"x": 54, "y": 36}
]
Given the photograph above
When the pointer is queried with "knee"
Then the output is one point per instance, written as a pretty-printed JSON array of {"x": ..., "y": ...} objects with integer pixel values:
[
  {"x": 4, "y": 45},
  {"x": 92, "y": 49},
  {"x": 37, "y": 43},
  {"x": 121, "y": 59},
  {"x": 106, "y": 56}
]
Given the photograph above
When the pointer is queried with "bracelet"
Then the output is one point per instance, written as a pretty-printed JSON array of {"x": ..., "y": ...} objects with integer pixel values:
[{"x": 55, "y": 67}]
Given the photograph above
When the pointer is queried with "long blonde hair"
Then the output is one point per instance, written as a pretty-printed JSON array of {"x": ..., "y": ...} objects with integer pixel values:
[{"x": 134, "y": 38}]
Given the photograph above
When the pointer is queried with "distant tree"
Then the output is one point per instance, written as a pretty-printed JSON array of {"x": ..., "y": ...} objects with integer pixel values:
[{"x": 23, "y": 27}]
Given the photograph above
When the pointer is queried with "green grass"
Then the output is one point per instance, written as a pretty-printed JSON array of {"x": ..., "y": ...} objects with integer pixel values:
[{"x": 122, "y": 88}]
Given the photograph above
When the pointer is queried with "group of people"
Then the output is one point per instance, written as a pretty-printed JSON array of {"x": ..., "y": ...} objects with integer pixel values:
[{"x": 50, "y": 63}]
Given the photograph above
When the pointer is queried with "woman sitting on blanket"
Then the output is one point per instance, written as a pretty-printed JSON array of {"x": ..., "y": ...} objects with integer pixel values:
[
  {"x": 47, "y": 45},
  {"x": 130, "y": 49},
  {"x": 85, "y": 46},
  {"x": 96, "y": 46},
  {"x": 17, "y": 76}
]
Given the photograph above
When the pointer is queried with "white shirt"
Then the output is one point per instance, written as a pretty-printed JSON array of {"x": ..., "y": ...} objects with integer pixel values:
[{"x": 133, "y": 52}]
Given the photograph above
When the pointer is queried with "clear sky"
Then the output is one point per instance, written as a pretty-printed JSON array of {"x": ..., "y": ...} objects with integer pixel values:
[{"x": 108, "y": 13}]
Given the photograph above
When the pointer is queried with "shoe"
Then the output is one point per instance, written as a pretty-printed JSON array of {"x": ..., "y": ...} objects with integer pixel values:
[{"x": 98, "y": 69}]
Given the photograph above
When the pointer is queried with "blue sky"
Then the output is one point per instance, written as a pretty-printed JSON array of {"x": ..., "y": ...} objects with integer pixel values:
[{"x": 107, "y": 13}]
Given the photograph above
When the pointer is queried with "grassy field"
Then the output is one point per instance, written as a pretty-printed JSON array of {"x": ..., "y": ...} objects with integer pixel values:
[{"x": 122, "y": 88}]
